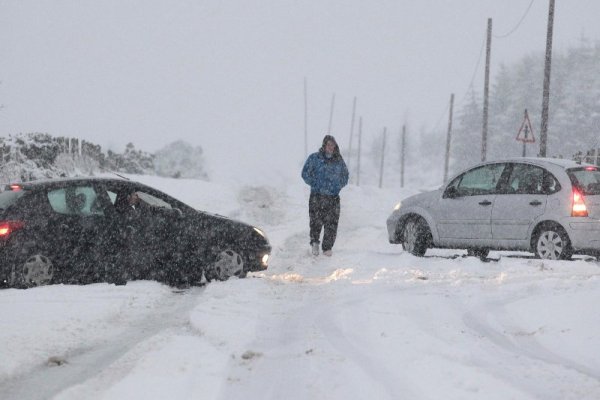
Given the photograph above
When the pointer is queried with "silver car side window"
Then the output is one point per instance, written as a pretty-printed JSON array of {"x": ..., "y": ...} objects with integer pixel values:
[
  {"x": 526, "y": 179},
  {"x": 481, "y": 180}
]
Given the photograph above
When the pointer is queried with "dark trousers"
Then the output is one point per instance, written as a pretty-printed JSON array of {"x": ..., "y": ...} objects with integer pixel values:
[{"x": 323, "y": 211}]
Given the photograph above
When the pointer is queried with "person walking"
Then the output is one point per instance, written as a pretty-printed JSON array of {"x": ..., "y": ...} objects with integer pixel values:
[{"x": 326, "y": 173}]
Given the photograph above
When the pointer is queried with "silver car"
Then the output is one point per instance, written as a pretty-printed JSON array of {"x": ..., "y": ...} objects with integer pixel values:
[{"x": 550, "y": 207}]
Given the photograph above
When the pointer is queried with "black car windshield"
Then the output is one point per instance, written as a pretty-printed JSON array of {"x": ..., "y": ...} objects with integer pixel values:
[
  {"x": 8, "y": 198},
  {"x": 586, "y": 179}
]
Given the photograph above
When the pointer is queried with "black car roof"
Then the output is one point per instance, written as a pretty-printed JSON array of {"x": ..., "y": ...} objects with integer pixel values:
[{"x": 43, "y": 183}]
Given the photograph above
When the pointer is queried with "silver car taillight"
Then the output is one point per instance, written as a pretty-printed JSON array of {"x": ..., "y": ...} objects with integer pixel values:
[{"x": 579, "y": 208}]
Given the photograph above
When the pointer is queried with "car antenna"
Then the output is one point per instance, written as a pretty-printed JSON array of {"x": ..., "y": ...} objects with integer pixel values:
[{"x": 114, "y": 173}]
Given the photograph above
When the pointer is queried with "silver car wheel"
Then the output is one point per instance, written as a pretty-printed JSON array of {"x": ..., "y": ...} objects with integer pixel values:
[
  {"x": 228, "y": 264},
  {"x": 36, "y": 271},
  {"x": 550, "y": 245}
]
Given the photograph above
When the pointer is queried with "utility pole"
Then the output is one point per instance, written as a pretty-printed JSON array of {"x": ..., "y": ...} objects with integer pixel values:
[
  {"x": 305, "y": 119},
  {"x": 358, "y": 156},
  {"x": 486, "y": 91},
  {"x": 546, "y": 91},
  {"x": 331, "y": 114},
  {"x": 382, "y": 159},
  {"x": 352, "y": 128},
  {"x": 448, "y": 138},
  {"x": 402, "y": 156},
  {"x": 351, "y": 133}
]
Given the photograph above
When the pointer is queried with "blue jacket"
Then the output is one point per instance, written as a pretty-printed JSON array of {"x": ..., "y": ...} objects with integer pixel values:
[{"x": 325, "y": 175}]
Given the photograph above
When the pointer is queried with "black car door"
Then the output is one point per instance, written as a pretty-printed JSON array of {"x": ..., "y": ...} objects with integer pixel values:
[
  {"x": 160, "y": 228},
  {"x": 149, "y": 228},
  {"x": 78, "y": 222}
]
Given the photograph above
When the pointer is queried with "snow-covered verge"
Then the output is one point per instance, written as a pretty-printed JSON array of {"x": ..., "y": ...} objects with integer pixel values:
[{"x": 369, "y": 322}]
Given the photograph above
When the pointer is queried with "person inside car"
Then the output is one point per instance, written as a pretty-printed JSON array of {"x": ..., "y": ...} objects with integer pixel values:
[{"x": 78, "y": 203}]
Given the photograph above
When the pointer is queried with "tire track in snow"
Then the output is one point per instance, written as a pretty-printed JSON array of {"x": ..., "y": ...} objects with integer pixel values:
[
  {"x": 389, "y": 380},
  {"x": 81, "y": 364},
  {"x": 526, "y": 346}
]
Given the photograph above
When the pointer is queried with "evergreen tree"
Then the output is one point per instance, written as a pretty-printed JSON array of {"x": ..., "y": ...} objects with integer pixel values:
[
  {"x": 574, "y": 118},
  {"x": 180, "y": 160}
]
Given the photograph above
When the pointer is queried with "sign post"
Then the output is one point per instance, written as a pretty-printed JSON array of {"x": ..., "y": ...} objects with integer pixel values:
[{"x": 525, "y": 134}]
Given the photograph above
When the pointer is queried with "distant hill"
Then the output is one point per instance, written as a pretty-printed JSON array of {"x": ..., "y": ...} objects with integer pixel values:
[{"x": 30, "y": 156}]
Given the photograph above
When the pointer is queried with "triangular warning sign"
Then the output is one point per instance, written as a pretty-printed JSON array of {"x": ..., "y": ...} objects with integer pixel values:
[{"x": 525, "y": 134}]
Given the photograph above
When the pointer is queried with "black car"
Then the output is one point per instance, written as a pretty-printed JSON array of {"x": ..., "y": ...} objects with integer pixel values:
[{"x": 84, "y": 230}]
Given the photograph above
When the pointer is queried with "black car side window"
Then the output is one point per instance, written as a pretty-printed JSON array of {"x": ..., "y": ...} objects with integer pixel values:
[
  {"x": 153, "y": 200},
  {"x": 75, "y": 200}
]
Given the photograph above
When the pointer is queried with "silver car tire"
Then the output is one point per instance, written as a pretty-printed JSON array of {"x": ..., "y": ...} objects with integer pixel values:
[
  {"x": 552, "y": 244},
  {"x": 227, "y": 264},
  {"x": 37, "y": 270},
  {"x": 415, "y": 237}
]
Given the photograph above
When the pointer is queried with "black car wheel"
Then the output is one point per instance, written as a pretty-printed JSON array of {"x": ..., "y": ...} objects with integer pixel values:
[
  {"x": 36, "y": 270},
  {"x": 416, "y": 237},
  {"x": 228, "y": 263}
]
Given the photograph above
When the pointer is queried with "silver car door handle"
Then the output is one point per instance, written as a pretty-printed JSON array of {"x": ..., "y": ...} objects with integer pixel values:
[
  {"x": 485, "y": 203},
  {"x": 535, "y": 203}
]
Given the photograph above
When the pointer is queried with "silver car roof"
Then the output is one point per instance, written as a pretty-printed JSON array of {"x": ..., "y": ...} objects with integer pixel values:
[{"x": 549, "y": 163}]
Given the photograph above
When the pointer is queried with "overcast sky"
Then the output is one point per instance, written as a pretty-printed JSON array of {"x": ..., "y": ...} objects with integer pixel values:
[{"x": 229, "y": 74}]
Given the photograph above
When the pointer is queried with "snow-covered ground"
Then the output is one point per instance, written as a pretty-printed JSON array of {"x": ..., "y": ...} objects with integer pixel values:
[{"x": 370, "y": 322}]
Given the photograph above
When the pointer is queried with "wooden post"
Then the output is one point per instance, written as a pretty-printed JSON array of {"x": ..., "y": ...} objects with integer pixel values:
[
  {"x": 546, "y": 90},
  {"x": 352, "y": 127},
  {"x": 448, "y": 139},
  {"x": 403, "y": 154},
  {"x": 486, "y": 92},
  {"x": 526, "y": 133},
  {"x": 382, "y": 159},
  {"x": 305, "y": 118},
  {"x": 331, "y": 114},
  {"x": 358, "y": 155}
]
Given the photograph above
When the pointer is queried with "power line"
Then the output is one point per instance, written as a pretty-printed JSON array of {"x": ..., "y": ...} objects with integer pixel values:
[
  {"x": 468, "y": 88},
  {"x": 474, "y": 71},
  {"x": 518, "y": 23}
]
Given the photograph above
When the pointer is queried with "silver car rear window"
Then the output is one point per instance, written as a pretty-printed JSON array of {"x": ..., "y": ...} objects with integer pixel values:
[{"x": 586, "y": 179}]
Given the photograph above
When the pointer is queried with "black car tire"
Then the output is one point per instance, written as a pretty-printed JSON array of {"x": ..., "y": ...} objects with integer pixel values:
[
  {"x": 116, "y": 276},
  {"x": 416, "y": 236},
  {"x": 479, "y": 253},
  {"x": 227, "y": 263},
  {"x": 552, "y": 243},
  {"x": 35, "y": 270}
]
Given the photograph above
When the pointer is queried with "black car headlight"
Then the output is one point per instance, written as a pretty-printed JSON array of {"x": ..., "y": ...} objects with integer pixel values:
[
  {"x": 260, "y": 232},
  {"x": 265, "y": 260}
]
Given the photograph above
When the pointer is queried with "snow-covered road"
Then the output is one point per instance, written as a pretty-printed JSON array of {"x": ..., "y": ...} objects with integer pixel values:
[{"x": 369, "y": 322}]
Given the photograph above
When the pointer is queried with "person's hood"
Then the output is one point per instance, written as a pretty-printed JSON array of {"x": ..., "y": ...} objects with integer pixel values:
[{"x": 336, "y": 152}]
